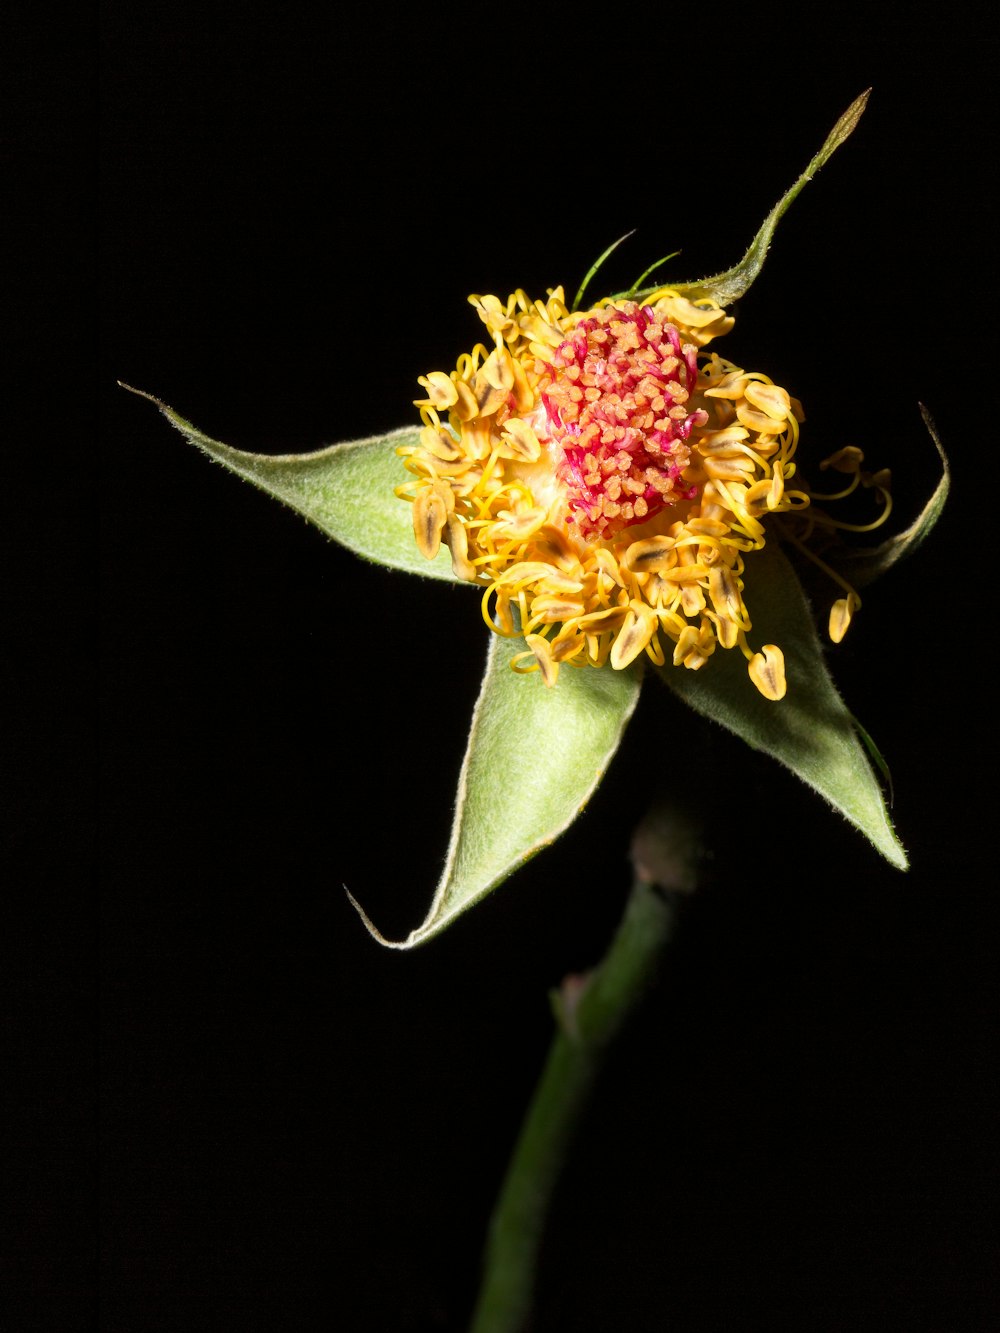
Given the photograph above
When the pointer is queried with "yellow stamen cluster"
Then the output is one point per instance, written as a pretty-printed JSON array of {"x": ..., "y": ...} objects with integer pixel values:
[{"x": 603, "y": 477}]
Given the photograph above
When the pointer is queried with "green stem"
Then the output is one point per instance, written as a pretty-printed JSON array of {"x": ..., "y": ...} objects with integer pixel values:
[{"x": 590, "y": 1018}]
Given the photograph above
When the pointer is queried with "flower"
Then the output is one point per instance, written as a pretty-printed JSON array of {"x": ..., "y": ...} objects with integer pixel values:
[{"x": 604, "y": 478}]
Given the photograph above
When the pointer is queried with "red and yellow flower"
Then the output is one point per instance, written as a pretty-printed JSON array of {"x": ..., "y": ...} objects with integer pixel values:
[{"x": 604, "y": 477}]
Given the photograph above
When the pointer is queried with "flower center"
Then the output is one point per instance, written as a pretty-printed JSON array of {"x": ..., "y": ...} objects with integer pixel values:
[{"x": 615, "y": 395}]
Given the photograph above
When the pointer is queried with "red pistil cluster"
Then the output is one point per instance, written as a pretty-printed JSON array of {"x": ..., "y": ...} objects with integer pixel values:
[{"x": 614, "y": 395}]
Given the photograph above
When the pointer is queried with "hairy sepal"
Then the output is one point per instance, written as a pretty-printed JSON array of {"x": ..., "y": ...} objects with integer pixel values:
[
  {"x": 534, "y": 757},
  {"x": 810, "y": 730},
  {"x": 735, "y": 282},
  {"x": 863, "y": 565},
  {"x": 347, "y": 490}
]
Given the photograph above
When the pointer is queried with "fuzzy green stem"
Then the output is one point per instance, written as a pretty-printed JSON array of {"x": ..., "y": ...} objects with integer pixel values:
[{"x": 590, "y": 1016}]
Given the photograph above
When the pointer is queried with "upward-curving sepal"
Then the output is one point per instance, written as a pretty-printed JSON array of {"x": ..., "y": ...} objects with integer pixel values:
[
  {"x": 863, "y": 566},
  {"x": 735, "y": 282}
]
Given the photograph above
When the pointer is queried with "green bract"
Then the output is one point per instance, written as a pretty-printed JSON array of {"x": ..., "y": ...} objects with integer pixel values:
[{"x": 545, "y": 750}]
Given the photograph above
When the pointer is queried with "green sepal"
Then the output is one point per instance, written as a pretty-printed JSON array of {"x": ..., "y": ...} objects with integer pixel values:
[
  {"x": 735, "y": 282},
  {"x": 345, "y": 489},
  {"x": 862, "y": 566},
  {"x": 810, "y": 730},
  {"x": 533, "y": 759},
  {"x": 875, "y": 755}
]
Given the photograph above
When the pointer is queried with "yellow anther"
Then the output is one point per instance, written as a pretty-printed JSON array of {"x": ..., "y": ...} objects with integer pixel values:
[
  {"x": 767, "y": 671},
  {"x": 650, "y": 555},
  {"x": 759, "y": 498},
  {"x": 489, "y": 397},
  {"x": 882, "y": 479},
  {"x": 634, "y": 635},
  {"x": 524, "y": 394},
  {"x": 707, "y": 527},
  {"x": 727, "y": 632},
  {"x": 524, "y": 572},
  {"x": 518, "y": 526},
  {"x": 725, "y": 442},
  {"x": 568, "y": 644},
  {"x": 731, "y": 385},
  {"x": 541, "y": 332},
  {"x": 558, "y": 584},
  {"x": 498, "y": 372},
  {"x": 456, "y": 535},
  {"x": 841, "y": 615},
  {"x": 771, "y": 399},
  {"x": 503, "y": 624},
  {"x": 724, "y": 591},
  {"x": 848, "y": 460},
  {"x": 430, "y": 513},
  {"x": 758, "y": 421},
  {"x": 466, "y": 405},
  {"x": 441, "y": 444},
  {"x": 441, "y": 391},
  {"x": 552, "y": 544},
  {"x": 681, "y": 574},
  {"x": 495, "y": 316},
  {"x": 603, "y": 622},
  {"x": 703, "y": 321},
  {"x": 694, "y": 647},
  {"x": 692, "y": 599},
  {"x": 521, "y": 440},
  {"x": 554, "y": 610},
  {"x": 766, "y": 445},
  {"x": 542, "y": 654},
  {"x": 730, "y": 469},
  {"x": 609, "y": 566}
]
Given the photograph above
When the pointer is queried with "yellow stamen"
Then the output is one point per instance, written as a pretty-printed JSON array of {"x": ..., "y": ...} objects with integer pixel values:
[
  {"x": 841, "y": 613},
  {"x": 603, "y": 478},
  {"x": 430, "y": 514},
  {"x": 767, "y": 671}
]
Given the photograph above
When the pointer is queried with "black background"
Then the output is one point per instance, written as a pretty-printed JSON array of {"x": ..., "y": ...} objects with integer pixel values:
[{"x": 298, "y": 1129}]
